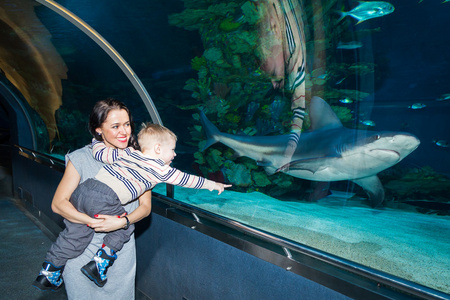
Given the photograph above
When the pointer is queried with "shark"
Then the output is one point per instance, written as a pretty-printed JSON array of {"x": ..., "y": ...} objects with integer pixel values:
[{"x": 327, "y": 152}]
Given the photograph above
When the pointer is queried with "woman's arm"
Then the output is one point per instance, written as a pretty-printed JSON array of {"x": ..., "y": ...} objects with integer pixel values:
[
  {"x": 104, "y": 223},
  {"x": 61, "y": 204},
  {"x": 111, "y": 223},
  {"x": 144, "y": 209}
]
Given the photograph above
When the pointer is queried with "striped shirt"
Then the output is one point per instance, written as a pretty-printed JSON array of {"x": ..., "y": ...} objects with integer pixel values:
[{"x": 129, "y": 173}]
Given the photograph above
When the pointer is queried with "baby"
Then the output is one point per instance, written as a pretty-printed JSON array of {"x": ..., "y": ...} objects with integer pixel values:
[{"x": 127, "y": 175}]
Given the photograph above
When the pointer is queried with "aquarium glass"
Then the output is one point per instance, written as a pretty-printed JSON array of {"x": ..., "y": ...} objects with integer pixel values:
[
  {"x": 329, "y": 118},
  {"x": 59, "y": 73}
]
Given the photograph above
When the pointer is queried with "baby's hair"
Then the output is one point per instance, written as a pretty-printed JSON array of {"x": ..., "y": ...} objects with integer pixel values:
[{"x": 154, "y": 132}]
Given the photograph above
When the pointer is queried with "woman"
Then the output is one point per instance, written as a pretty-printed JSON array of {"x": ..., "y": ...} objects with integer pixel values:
[{"x": 116, "y": 131}]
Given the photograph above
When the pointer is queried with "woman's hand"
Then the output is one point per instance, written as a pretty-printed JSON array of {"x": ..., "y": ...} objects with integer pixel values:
[
  {"x": 110, "y": 223},
  {"x": 105, "y": 223}
]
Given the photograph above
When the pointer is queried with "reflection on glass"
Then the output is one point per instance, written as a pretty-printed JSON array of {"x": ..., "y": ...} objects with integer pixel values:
[
  {"x": 31, "y": 62},
  {"x": 60, "y": 73}
]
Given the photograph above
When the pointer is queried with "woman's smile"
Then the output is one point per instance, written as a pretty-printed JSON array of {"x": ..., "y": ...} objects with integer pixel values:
[{"x": 116, "y": 130}]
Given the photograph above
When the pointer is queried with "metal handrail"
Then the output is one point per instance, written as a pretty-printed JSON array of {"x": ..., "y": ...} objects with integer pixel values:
[
  {"x": 24, "y": 111},
  {"x": 355, "y": 268},
  {"x": 286, "y": 245},
  {"x": 41, "y": 158}
]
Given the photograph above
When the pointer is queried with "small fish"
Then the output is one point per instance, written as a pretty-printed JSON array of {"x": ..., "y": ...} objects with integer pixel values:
[
  {"x": 346, "y": 101},
  {"x": 417, "y": 106},
  {"x": 239, "y": 19},
  {"x": 319, "y": 73},
  {"x": 444, "y": 97},
  {"x": 442, "y": 143},
  {"x": 369, "y": 10},
  {"x": 368, "y": 123},
  {"x": 341, "y": 80},
  {"x": 256, "y": 73},
  {"x": 349, "y": 45}
]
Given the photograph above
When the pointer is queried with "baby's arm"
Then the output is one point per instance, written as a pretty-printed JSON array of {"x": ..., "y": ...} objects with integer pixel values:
[
  {"x": 177, "y": 177},
  {"x": 107, "y": 155}
]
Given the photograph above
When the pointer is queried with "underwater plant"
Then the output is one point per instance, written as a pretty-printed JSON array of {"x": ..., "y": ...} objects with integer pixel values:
[
  {"x": 238, "y": 96},
  {"x": 417, "y": 182},
  {"x": 421, "y": 188}
]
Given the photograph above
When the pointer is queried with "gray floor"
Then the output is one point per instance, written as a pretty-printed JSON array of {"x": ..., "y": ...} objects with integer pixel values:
[{"x": 23, "y": 248}]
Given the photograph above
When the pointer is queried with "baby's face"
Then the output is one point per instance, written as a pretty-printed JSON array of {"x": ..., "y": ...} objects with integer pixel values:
[{"x": 168, "y": 150}]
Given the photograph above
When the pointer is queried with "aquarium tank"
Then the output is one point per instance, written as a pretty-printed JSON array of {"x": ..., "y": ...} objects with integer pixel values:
[{"x": 328, "y": 118}]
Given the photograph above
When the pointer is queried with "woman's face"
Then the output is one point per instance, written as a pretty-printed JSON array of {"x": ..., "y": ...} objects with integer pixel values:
[{"x": 116, "y": 130}]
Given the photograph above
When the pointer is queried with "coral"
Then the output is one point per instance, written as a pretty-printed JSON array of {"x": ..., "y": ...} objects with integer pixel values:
[
  {"x": 229, "y": 25},
  {"x": 243, "y": 42},
  {"x": 419, "y": 182},
  {"x": 284, "y": 184},
  {"x": 199, "y": 158},
  {"x": 229, "y": 154},
  {"x": 221, "y": 89},
  {"x": 251, "y": 110},
  {"x": 283, "y": 181},
  {"x": 261, "y": 179},
  {"x": 216, "y": 105},
  {"x": 277, "y": 108},
  {"x": 217, "y": 176},
  {"x": 213, "y": 54},
  {"x": 250, "y": 12},
  {"x": 200, "y": 88},
  {"x": 237, "y": 174},
  {"x": 223, "y": 9},
  {"x": 195, "y": 19},
  {"x": 198, "y": 62},
  {"x": 250, "y": 131},
  {"x": 236, "y": 61},
  {"x": 233, "y": 119},
  {"x": 214, "y": 159},
  {"x": 248, "y": 163},
  {"x": 264, "y": 127},
  {"x": 189, "y": 19}
]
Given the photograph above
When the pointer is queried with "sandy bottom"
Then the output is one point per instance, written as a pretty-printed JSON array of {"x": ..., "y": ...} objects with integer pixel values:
[{"x": 406, "y": 244}]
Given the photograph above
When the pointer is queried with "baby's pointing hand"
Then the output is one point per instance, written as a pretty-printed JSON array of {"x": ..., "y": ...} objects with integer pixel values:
[{"x": 221, "y": 187}]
